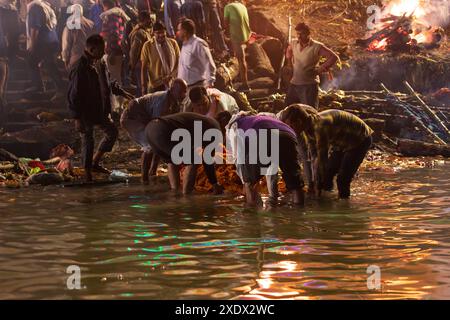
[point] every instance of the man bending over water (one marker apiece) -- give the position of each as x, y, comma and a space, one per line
159, 133
344, 134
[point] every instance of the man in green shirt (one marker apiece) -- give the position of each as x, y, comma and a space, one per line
237, 21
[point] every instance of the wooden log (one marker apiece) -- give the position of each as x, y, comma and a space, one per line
418, 148
430, 112
411, 113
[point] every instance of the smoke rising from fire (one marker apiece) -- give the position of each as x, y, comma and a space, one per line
430, 12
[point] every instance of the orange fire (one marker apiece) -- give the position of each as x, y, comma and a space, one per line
403, 24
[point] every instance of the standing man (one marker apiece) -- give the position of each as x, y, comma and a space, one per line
237, 21
344, 134
197, 66
74, 40
141, 33
193, 9
159, 58
303, 55
215, 27
94, 16
3, 72
42, 45
141, 111
172, 13
113, 27
89, 98
9, 18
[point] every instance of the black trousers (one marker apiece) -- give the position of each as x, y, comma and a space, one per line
45, 53
12, 29
159, 137
345, 165
87, 140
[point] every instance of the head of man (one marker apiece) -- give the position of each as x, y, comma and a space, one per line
145, 20
303, 32
199, 99
186, 29
95, 47
178, 90
299, 117
159, 30
108, 4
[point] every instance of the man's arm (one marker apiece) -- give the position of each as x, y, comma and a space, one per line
206, 58
144, 68
76, 91
331, 59
66, 46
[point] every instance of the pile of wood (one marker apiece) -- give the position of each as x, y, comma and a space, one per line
403, 122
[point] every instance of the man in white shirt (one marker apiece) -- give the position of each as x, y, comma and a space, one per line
196, 64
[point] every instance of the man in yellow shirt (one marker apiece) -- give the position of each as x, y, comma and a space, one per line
304, 54
159, 58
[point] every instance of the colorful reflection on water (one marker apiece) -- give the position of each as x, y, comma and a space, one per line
130, 243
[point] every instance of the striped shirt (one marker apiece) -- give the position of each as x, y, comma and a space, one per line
335, 129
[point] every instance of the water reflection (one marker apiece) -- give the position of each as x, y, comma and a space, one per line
133, 244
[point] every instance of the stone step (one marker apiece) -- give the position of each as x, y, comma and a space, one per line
19, 126
27, 104
22, 85
21, 95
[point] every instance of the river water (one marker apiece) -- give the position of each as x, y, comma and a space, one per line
130, 243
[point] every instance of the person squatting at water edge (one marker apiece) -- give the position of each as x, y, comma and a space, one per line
162, 133
141, 111
338, 142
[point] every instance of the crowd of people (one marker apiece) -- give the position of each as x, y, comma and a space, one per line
165, 51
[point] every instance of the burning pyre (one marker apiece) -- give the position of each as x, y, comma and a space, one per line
406, 26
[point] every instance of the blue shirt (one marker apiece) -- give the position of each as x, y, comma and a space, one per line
37, 20
95, 13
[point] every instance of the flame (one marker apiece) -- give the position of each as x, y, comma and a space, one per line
414, 26
378, 45
406, 7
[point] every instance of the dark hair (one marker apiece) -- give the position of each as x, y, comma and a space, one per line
197, 93
223, 118
188, 25
159, 26
144, 16
94, 40
299, 113
302, 27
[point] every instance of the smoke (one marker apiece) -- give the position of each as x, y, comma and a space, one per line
430, 12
